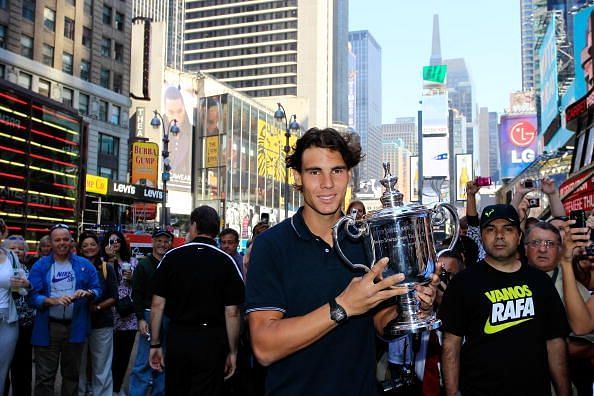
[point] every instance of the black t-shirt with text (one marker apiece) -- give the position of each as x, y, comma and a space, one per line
505, 320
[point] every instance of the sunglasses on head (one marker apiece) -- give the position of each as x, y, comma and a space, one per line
114, 240
60, 226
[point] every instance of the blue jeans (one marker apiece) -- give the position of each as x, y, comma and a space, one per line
142, 374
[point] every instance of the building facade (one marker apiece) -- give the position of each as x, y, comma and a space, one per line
461, 95
528, 41
404, 128
368, 55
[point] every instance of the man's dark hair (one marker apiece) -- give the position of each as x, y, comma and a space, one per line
229, 231
543, 225
206, 219
327, 138
531, 221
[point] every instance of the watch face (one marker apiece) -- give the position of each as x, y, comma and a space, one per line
338, 314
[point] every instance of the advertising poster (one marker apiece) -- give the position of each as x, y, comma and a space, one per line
435, 115
464, 174
547, 55
518, 139
212, 151
435, 156
145, 164
414, 178
582, 42
271, 155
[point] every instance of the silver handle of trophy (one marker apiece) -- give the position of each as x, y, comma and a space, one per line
454, 215
345, 222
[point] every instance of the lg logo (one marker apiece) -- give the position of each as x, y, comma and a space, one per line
522, 134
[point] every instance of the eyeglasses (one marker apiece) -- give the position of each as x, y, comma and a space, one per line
546, 243
59, 226
114, 240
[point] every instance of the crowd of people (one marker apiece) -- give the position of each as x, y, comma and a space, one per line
288, 317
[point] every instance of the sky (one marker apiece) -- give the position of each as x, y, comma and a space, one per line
485, 33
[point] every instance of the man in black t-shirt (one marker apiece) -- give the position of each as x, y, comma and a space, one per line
199, 288
510, 317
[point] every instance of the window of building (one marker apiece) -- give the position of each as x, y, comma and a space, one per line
44, 87
116, 112
83, 104
27, 46
117, 82
104, 78
85, 70
68, 28
68, 96
119, 21
119, 52
106, 47
88, 7
109, 145
3, 31
102, 110
28, 10
67, 63
49, 19
3, 3
107, 14
87, 37
2, 71
47, 55
108, 172
25, 80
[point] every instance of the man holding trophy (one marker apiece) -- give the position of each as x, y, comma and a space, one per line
312, 317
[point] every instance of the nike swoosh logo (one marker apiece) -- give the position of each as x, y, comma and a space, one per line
54, 279
492, 329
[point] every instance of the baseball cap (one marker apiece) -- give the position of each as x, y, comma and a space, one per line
499, 211
162, 232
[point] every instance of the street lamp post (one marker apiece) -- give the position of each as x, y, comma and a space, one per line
172, 128
290, 125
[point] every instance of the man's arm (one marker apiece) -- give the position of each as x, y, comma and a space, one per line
450, 361
548, 187
157, 359
471, 190
275, 337
519, 195
232, 323
557, 356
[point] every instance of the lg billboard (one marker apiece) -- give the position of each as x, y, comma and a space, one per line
518, 138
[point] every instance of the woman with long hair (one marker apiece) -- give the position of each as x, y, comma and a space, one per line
116, 251
98, 350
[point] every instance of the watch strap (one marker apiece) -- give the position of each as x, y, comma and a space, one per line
337, 312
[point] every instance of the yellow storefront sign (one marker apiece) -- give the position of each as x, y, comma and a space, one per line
212, 151
96, 184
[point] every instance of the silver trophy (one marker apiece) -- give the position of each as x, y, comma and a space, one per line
403, 234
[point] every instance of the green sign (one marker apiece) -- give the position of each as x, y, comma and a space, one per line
436, 74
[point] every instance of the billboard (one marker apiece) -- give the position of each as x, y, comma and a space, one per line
464, 173
582, 42
414, 178
435, 74
518, 139
145, 163
435, 157
547, 55
435, 115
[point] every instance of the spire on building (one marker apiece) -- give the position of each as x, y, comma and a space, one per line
435, 43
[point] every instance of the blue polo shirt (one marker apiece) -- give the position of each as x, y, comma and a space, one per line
295, 272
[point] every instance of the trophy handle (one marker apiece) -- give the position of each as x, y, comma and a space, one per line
348, 221
454, 215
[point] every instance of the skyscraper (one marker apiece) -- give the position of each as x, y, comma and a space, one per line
369, 101
528, 41
274, 50
494, 144
405, 129
435, 58
461, 95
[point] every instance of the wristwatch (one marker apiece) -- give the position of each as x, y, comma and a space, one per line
337, 313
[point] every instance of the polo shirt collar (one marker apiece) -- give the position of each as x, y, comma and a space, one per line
206, 240
302, 230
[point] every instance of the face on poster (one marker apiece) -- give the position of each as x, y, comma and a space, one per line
464, 174
582, 43
435, 156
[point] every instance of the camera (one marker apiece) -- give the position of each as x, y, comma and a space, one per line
482, 181
580, 218
533, 202
530, 183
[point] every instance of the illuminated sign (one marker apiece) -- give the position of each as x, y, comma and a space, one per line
435, 74
518, 143
145, 163
464, 174
212, 151
134, 191
96, 184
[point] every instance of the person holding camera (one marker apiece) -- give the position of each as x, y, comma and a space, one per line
547, 186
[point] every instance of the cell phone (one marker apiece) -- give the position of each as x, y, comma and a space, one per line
580, 218
529, 183
482, 181
533, 202
265, 218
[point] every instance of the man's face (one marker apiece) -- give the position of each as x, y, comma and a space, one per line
229, 244
501, 239
212, 119
543, 254
175, 110
61, 242
449, 264
323, 178
45, 247
161, 245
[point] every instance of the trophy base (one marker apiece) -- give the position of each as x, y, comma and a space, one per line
396, 328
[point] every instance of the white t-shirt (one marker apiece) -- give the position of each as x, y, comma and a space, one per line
6, 271
63, 283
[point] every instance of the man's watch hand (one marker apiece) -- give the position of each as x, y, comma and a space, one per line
337, 312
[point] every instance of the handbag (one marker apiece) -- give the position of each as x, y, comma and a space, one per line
125, 306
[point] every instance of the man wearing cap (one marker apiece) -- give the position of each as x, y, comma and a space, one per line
510, 317
142, 294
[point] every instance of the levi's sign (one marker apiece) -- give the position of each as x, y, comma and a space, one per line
135, 191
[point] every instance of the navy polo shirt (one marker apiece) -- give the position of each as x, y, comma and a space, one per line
295, 272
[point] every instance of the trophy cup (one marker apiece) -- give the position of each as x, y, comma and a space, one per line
403, 234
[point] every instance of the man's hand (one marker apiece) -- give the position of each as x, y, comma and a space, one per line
81, 294
523, 209
143, 327
426, 294
547, 185
574, 238
64, 300
156, 359
17, 281
521, 191
363, 293
230, 365
472, 188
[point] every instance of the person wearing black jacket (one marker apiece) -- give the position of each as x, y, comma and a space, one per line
142, 294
